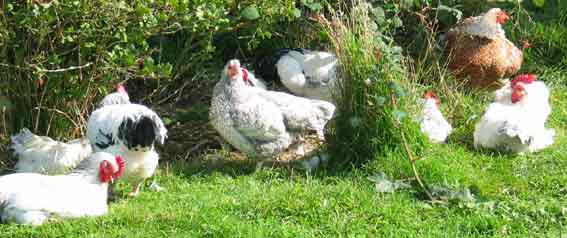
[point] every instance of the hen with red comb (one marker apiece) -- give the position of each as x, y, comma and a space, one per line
433, 123
263, 123
515, 122
118, 97
479, 51
524, 78
31, 198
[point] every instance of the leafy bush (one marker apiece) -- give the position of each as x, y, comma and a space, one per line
58, 57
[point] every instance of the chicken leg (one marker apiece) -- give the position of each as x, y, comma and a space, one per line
136, 190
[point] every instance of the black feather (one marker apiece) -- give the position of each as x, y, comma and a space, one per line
108, 140
141, 132
266, 65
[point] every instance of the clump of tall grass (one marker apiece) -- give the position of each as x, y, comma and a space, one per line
374, 107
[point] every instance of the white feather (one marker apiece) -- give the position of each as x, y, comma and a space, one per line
114, 98
41, 154
141, 162
516, 127
263, 123
310, 74
433, 124
31, 198
484, 25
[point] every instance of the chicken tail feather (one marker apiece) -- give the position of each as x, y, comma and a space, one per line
266, 65
20, 140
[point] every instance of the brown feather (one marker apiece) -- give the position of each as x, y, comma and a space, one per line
480, 61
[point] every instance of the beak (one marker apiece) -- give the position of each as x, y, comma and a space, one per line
232, 71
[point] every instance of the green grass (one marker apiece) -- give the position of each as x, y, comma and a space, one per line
529, 196
529, 192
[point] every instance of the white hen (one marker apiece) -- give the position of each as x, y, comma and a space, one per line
129, 131
118, 97
310, 74
517, 125
433, 124
41, 154
259, 122
30, 198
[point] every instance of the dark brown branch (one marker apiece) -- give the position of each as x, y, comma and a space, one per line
410, 156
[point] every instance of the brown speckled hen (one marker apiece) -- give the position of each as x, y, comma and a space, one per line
479, 51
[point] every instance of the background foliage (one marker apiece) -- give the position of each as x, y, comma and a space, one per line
58, 57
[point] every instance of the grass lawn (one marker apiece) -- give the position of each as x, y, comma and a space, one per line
521, 196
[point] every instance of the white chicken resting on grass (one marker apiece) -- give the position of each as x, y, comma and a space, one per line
433, 124
41, 154
305, 73
259, 122
31, 198
129, 131
517, 125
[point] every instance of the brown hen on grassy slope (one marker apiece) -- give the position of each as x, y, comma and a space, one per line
479, 51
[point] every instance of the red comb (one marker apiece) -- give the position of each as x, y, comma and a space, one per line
524, 78
120, 88
502, 17
429, 94
120, 163
246, 77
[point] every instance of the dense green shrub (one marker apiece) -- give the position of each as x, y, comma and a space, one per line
58, 57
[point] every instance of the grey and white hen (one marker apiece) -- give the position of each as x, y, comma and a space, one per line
259, 122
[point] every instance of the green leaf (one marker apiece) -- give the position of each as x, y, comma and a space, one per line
250, 13
379, 15
399, 115
397, 22
168, 121
406, 4
355, 121
314, 6
296, 13
380, 100
384, 184
448, 15
5, 103
538, 3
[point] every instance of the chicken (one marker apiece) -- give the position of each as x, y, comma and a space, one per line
129, 131
433, 124
31, 198
305, 73
479, 51
118, 97
41, 154
517, 124
259, 122
252, 80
